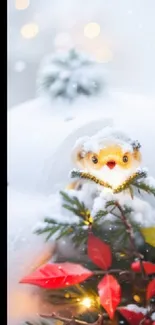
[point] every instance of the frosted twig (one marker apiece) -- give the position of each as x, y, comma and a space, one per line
130, 232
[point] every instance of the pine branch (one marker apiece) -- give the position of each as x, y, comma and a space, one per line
115, 227
74, 205
79, 233
64, 319
37, 322
78, 208
80, 237
100, 214
54, 228
130, 231
73, 320
76, 231
144, 187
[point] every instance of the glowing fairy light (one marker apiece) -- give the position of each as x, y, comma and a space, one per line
92, 30
67, 295
137, 298
86, 302
29, 30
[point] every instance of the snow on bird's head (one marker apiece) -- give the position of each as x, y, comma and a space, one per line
109, 136
106, 137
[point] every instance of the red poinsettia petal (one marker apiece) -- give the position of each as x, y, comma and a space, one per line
55, 276
150, 289
149, 267
99, 252
133, 318
110, 294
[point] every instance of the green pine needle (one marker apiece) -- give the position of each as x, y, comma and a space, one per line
75, 206
78, 233
144, 187
100, 214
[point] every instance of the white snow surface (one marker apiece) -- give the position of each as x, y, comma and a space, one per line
150, 181
136, 309
24, 210
143, 213
24, 247
41, 135
35, 131
40, 138
153, 316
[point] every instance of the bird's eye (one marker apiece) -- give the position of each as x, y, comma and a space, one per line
94, 160
125, 159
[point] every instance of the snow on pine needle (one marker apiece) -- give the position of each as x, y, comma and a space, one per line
68, 76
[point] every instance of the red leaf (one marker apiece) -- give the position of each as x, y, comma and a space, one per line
151, 289
110, 294
99, 252
149, 267
132, 317
55, 276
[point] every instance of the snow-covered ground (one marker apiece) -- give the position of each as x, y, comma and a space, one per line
40, 140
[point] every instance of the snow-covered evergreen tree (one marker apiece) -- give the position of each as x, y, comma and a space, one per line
69, 75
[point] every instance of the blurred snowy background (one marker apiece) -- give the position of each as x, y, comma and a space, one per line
121, 38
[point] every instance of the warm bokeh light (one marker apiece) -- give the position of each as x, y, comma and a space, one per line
86, 302
122, 254
136, 298
92, 30
29, 30
103, 55
67, 295
21, 4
